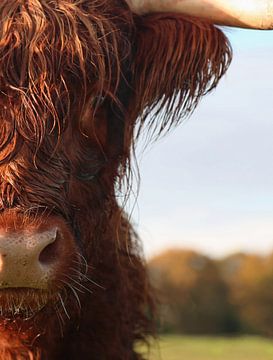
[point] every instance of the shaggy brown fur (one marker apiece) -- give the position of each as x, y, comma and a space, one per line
77, 78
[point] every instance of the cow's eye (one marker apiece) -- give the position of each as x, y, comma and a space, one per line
97, 101
90, 169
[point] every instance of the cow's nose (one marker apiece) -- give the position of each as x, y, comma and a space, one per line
29, 259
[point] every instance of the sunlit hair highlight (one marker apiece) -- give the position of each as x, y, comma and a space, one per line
53, 57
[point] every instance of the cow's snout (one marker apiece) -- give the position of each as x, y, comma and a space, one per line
30, 259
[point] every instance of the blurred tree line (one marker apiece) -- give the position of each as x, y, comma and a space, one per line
199, 295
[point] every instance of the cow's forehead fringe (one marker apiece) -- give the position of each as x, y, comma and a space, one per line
54, 56
58, 56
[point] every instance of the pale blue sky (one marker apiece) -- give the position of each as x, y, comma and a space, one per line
209, 184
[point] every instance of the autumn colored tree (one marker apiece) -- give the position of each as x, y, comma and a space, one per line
193, 296
250, 280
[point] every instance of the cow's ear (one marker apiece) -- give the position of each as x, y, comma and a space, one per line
177, 60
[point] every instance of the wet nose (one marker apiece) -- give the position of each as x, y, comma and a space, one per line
29, 260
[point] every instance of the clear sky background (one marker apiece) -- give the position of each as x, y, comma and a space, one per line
209, 184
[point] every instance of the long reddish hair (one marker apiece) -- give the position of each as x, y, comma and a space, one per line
78, 83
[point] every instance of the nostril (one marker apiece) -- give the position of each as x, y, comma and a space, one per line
49, 254
35, 256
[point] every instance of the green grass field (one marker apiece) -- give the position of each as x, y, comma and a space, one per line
211, 348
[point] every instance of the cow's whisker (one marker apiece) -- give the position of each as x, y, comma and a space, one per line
60, 321
86, 278
63, 305
73, 289
78, 283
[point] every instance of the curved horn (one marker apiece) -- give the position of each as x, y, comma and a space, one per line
253, 14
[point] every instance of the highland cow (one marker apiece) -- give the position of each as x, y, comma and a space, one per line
78, 79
